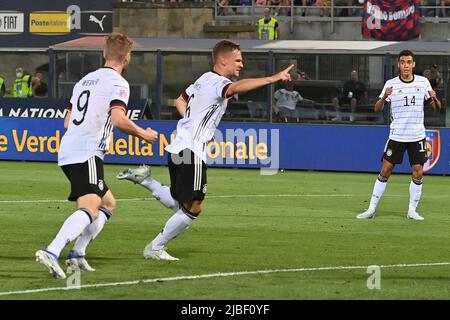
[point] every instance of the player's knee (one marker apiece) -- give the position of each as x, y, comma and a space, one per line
417, 181
418, 175
194, 208
110, 205
197, 210
92, 212
385, 173
107, 213
198, 207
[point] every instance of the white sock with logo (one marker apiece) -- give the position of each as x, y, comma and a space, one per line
378, 190
72, 228
91, 232
415, 191
176, 224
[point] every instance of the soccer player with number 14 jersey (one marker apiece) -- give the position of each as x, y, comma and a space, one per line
407, 94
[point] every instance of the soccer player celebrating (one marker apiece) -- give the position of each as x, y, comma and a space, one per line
98, 104
407, 94
202, 106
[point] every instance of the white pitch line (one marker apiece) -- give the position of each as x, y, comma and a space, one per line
220, 274
214, 197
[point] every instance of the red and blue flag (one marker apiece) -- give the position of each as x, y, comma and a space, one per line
391, 20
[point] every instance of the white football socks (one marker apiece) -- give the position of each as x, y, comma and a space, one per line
161, 193
378, 190
174, 226
90, 232
72, 228
415, 191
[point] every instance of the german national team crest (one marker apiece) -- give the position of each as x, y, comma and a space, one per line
101, 185
433, 147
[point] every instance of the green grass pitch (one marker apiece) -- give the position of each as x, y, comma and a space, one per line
295, 222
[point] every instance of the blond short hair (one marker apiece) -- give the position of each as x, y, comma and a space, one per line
223, 47
117, 46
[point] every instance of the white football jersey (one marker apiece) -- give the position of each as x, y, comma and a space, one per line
90, 126
407, 104
206, 106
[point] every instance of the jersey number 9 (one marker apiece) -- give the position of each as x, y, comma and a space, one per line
83, 108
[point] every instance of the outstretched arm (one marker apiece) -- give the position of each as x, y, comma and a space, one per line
245, 85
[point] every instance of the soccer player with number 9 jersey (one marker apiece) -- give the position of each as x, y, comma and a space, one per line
99, 102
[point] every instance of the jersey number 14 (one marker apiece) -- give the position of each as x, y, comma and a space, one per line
411, 101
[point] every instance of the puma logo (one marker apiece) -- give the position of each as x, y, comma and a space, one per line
99, 22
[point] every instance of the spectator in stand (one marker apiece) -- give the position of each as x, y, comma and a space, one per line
345, 12
286, 7
22, 87
303, 3
429, 8
353, 94
62, 75
223, 4
337, 3
223, 7
427, 74
268, 28
274, 2
322, 3
301, 75
434, 76
286, 103
40, 89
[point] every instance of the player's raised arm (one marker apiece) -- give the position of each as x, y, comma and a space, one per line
245, 85
380, 103
123, 123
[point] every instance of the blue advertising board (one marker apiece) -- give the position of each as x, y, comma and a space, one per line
55, 108
245, 145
